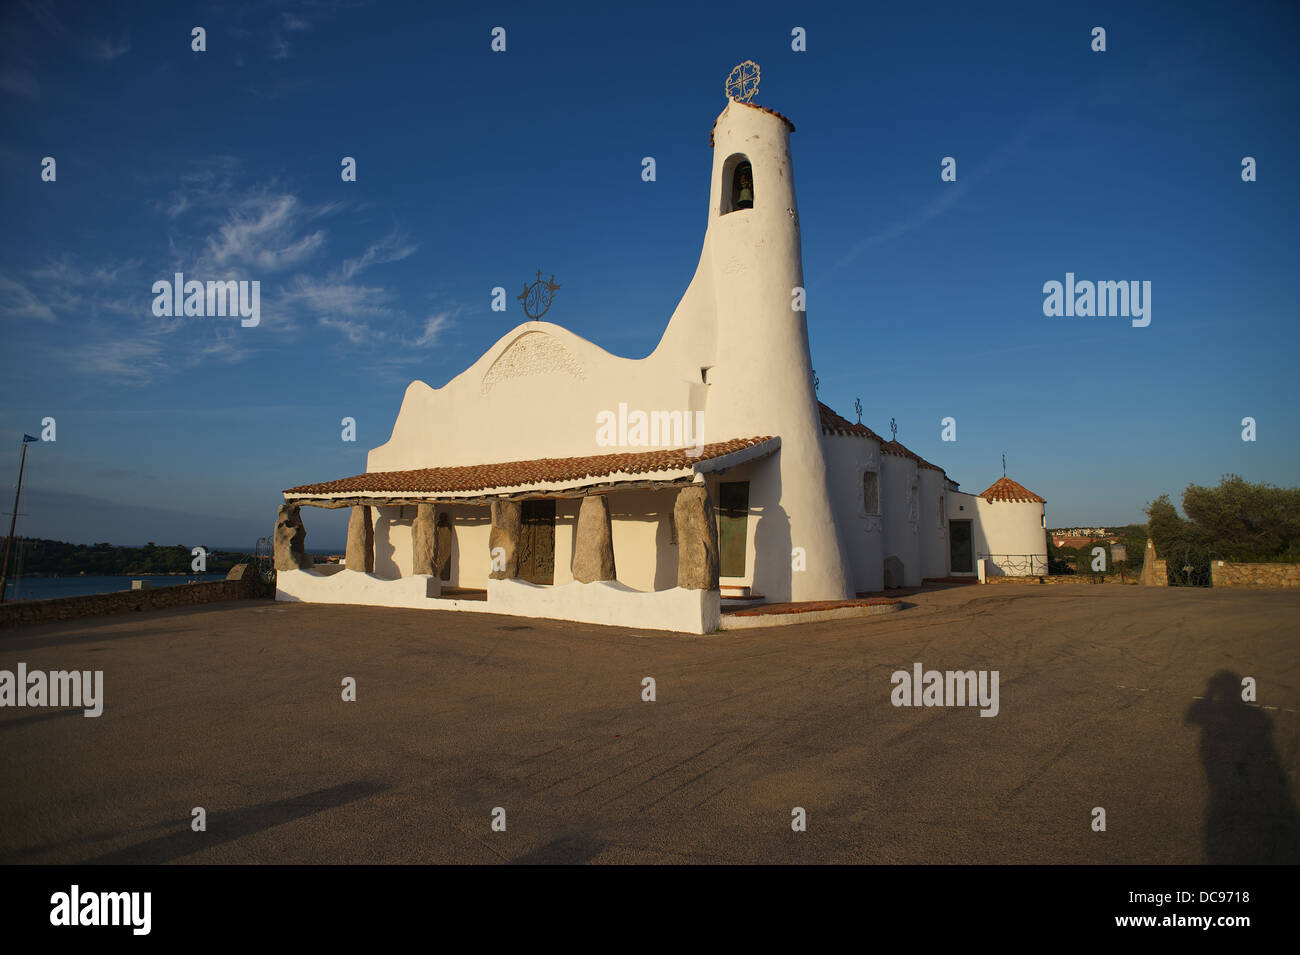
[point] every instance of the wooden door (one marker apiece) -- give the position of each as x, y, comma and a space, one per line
959, 547
537, 541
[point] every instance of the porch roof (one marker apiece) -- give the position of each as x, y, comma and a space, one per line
540, 477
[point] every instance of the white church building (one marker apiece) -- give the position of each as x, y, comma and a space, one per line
553, 479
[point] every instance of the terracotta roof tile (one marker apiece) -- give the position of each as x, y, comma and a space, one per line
894, 448
773, 112
833, 423
482, 477
1005, 489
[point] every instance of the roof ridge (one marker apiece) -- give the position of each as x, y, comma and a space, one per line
834, 423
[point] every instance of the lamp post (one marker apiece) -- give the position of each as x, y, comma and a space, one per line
13, 519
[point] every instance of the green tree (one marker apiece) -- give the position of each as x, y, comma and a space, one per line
1245, 521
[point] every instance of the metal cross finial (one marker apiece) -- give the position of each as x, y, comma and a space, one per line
893, 428
742, 84
857, 406
1004, 464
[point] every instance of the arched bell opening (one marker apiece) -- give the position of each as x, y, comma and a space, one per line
737, 184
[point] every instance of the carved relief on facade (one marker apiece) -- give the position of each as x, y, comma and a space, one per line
533, 353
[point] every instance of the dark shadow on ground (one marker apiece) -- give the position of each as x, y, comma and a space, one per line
1251, 818
567, 850
17, 721
63, 633
229, 826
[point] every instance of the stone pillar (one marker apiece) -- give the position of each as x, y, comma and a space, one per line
1148, 578
593, 545
697, 539
361, 541
424, 541
290, 539
505, 535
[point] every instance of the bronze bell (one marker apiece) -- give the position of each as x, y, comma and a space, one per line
746, 200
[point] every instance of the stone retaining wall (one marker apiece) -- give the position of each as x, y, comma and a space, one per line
1227, 574
23, 613
1052, 579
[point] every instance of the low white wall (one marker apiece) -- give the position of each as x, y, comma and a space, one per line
604, 602
610, 603
350, 587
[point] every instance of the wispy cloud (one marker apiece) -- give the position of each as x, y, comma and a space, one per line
42, 12
434, 325
20, 82
391, 248
107, 49
218, 228
261, 233
951, 193
344, 305
18, 302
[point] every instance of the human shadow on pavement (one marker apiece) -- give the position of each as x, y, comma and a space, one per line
1251, 818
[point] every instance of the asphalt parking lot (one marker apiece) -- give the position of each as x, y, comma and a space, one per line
1123, 698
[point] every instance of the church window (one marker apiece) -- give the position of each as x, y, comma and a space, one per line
870, 493
733, 527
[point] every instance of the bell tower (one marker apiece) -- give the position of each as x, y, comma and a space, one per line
762, 381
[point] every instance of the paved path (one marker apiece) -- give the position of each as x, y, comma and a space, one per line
236, 708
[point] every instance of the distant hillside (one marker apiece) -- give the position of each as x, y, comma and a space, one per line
44, 558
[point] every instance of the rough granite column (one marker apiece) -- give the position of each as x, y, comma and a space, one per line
505, 535
361, 541
1148, 578
697, 539
424, 540
290, 539
593, 545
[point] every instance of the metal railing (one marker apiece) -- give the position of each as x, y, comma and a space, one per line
1016, 565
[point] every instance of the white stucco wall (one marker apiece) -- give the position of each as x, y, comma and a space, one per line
393, 557
645, 558
471, 559
848, 456
1013, 528
902, 537
933, 524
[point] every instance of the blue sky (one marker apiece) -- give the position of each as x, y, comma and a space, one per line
476, 168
